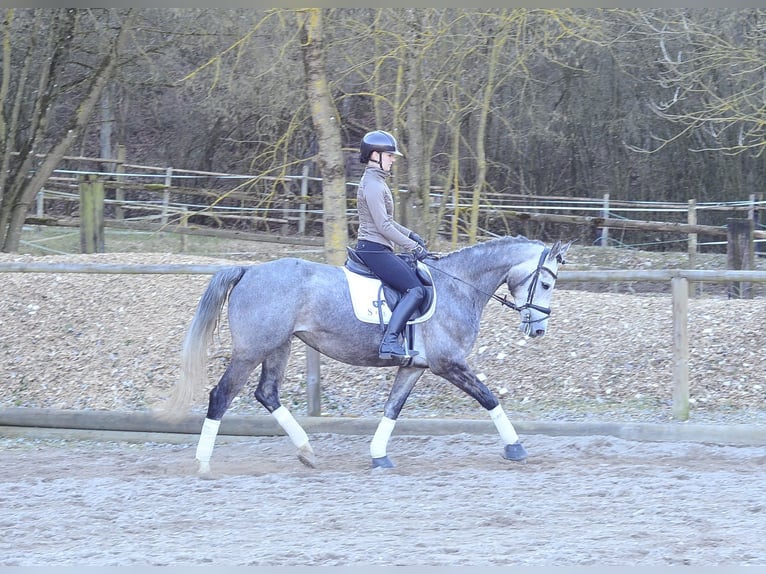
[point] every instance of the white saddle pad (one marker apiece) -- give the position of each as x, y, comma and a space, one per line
365, 292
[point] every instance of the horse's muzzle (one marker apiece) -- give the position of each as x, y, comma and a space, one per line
531, 330
532, 327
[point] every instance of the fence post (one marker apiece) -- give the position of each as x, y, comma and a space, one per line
754, 213
119, 191
282, 192
605, 215
304, 198
166, 195
313, 384
91, 215
40, 210
680, 289
692, 245
739, 254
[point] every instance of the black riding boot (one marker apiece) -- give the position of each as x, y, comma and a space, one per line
391, 347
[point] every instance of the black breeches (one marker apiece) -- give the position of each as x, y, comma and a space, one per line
387, 266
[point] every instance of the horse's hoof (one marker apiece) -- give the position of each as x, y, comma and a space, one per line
382, 462
515, 452
204, 471
306, 456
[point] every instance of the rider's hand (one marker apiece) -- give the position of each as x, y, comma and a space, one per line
420, 253
417, 239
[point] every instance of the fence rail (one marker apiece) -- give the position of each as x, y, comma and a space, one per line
564, 276
679, 279
291, 204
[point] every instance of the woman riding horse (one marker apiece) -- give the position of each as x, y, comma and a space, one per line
379, 234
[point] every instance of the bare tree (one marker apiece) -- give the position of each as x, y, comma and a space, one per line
69, 88
485, 102
711, 65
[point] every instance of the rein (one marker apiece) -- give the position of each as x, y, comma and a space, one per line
535, 275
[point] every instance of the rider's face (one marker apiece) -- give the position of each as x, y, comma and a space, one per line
387, 160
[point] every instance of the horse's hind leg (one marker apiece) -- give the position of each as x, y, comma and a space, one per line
228, 387
267, 393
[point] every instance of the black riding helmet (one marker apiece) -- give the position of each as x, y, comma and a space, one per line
377, 141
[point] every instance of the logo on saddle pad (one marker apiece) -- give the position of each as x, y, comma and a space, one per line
368, 296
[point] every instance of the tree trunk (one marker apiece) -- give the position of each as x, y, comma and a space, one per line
105, 131
416, 205
326, 121
481, 135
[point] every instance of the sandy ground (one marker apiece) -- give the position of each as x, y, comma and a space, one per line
111, 342
451, 500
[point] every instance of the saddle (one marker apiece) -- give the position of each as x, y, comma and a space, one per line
386, 295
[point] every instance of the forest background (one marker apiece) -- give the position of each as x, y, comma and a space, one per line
642, 104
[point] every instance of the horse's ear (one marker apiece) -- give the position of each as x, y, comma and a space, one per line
559, 250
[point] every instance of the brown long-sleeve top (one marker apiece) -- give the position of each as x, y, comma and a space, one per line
375, 205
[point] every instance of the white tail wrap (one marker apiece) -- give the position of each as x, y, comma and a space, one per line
503, 425
291, 427
207, 440
380, 439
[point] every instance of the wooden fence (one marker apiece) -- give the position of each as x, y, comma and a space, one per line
679, 279
153, 198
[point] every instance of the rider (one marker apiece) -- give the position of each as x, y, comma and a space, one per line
379, 234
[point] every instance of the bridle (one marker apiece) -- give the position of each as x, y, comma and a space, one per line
535, 276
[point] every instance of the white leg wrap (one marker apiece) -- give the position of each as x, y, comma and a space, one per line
503, 425
291, 427
207, 440
380, 439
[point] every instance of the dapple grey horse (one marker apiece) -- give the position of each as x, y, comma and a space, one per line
271, 302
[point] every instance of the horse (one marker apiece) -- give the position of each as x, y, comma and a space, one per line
270, 303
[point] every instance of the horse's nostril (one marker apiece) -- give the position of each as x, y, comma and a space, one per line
539, 332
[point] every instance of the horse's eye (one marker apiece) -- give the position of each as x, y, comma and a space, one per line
545, 285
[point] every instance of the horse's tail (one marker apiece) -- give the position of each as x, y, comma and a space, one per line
194, 350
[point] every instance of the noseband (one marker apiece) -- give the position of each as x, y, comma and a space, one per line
535, 275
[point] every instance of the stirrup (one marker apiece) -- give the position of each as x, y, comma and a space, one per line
395, 353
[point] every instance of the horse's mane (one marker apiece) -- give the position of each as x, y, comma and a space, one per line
492, 244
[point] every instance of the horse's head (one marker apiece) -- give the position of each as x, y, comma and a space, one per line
532, 282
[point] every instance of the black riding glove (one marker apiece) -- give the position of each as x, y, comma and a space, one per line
420, 253
417, 239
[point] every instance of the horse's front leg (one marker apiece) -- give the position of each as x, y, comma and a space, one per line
404, 382
460, 374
